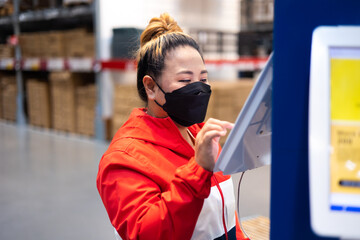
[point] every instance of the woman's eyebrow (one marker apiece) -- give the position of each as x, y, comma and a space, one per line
184, 72
190, 72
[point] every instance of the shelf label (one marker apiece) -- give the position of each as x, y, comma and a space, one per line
7, 63
55, 64
81, 64
33, 64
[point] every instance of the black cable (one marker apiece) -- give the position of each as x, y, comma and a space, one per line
238, 205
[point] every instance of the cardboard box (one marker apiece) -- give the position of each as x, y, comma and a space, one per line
6, 51
227, 100
85, 109
8, 97
126, 98
75, 43
54, 45
24, 41
38, 102
85, 120
63, 99
32, 44
79, 43
6, 8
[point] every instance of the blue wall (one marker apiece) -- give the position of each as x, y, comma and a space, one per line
293, 25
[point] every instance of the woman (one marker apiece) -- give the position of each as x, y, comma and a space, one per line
156, 178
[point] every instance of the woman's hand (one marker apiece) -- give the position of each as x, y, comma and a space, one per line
207, 142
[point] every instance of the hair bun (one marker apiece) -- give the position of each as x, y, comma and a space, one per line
159, 26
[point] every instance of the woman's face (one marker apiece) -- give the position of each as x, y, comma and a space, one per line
183, 66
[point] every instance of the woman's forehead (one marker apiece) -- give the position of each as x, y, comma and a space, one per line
184, 58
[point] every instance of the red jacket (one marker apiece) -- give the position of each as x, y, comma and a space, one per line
152, 188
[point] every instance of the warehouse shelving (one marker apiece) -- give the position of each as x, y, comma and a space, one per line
50, 14
60, 18
52, 18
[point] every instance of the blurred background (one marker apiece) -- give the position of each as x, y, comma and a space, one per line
68, 82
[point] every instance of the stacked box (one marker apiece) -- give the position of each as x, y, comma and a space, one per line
32, 44
227, 100
39, 44
38, 102
6, 8
42, 44
25, 40
72, 43
63, 99
88, 45
85, 109
8, 97
79, 43
126, 98
54, 45
6, 51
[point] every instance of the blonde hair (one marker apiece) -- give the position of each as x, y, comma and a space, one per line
162, 35
159, 26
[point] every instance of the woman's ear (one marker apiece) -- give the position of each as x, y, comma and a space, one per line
149, 85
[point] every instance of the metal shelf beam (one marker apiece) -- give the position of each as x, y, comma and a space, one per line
49, 14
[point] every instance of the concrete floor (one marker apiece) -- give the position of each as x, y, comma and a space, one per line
47, 186
48, 190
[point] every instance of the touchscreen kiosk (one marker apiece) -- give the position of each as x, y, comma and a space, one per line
334, 132
248, 145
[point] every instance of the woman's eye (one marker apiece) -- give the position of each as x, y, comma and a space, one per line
185, 80
204, 80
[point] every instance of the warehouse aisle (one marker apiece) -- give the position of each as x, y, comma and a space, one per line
47, 186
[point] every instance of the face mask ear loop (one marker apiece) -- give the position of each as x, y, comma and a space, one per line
162, 106
157, 84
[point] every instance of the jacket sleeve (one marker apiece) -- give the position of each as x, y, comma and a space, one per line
139, 209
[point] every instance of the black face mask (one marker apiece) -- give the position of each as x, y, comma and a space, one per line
187, 105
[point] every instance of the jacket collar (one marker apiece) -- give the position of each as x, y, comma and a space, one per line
159, 131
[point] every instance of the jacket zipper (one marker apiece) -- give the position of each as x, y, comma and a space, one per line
223, 207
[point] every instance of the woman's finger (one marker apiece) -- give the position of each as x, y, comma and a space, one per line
209, 135
211, 126
225, 124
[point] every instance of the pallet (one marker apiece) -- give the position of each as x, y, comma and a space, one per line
257, 228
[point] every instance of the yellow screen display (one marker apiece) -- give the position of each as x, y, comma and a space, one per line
345, 125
